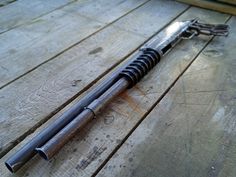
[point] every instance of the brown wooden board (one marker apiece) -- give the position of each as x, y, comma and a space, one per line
208, 4
192, 131
94, 144
233, 2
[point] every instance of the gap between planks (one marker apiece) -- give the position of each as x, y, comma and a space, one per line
41, 122
163, 91
6, 2
30, 21
152, 107
58, 54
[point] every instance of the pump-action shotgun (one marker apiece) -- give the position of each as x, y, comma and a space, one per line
48, 142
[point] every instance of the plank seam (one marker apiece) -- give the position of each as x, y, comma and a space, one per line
7, 3
34, 128
44, 120
71, 46
130, 31
151, 109
33, 19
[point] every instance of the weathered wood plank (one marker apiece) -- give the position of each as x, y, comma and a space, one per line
152, 14
23, 11
192, 131
105, 12
86, 152
5, 2
26, 47
232, 2
51, 85
221, 7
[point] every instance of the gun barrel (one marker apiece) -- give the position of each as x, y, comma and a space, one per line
67, 125
48, 150
17, 160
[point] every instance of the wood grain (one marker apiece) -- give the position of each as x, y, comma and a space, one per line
232, 2
32, 99
192, 131
221, 7
93, 145
28, 46
20, 12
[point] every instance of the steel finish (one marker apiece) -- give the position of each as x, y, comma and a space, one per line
148, 56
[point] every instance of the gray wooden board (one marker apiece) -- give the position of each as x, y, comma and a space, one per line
83, 155
32, 99
20, 12
192, 131
154, 13
28, 46
5, 2
104, 12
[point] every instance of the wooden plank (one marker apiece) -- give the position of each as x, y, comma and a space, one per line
5, 2
221, 7
23, 11
233, 2
86, 152
26, 47
191, 132
51, 85
143, 14
104, 12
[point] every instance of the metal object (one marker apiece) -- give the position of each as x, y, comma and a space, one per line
51, 139
208, 29
57, 142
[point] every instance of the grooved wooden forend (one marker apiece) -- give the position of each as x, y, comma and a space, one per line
51, 58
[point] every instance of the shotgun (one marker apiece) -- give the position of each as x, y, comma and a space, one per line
49, 141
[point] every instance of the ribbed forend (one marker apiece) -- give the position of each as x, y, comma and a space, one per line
140, 66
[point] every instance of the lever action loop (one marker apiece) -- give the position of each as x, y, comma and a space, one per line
189, 34
49, 141
209, 29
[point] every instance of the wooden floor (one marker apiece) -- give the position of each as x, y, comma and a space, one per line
179, 121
